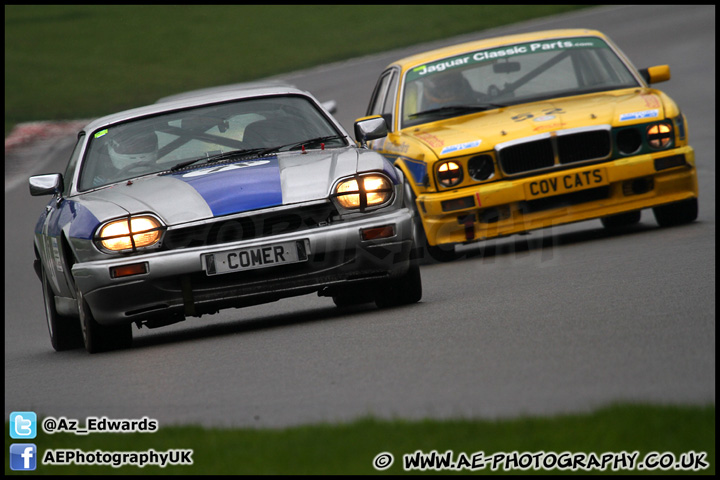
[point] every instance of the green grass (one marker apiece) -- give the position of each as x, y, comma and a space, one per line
350, 448
69, 62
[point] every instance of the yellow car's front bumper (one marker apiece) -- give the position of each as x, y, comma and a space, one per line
517, 205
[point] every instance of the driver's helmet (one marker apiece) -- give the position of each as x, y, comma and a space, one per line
132, 146
445, 88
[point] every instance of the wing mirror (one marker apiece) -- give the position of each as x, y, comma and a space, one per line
656, 74
48, 184
370, 128
330, 106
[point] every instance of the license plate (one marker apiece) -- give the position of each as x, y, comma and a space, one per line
565, 183
251, 258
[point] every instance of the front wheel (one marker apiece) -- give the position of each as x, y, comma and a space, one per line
351, 298
621, 220
99, 338
403, 290
65, 333
439, 253
677, 213
442, 253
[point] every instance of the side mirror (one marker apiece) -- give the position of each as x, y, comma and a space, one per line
330, 106
370, 128
656, 74
48, 184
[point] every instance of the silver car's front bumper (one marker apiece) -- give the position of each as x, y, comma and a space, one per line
176, 284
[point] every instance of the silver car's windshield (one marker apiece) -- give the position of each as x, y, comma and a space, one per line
155, 144
510, 75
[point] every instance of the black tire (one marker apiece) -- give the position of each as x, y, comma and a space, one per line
99, 338
403, 290
442, 253
65, 332
621, 220
352, 298
677, 213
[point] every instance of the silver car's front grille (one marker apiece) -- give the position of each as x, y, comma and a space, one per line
555, 149
246, 227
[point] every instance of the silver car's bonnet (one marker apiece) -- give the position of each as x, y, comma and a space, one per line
222, 189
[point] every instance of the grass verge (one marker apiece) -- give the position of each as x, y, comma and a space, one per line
655, 433
67, 62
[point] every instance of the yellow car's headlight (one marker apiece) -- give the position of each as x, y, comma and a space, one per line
660, 135
364, 191
130, 234
449, 174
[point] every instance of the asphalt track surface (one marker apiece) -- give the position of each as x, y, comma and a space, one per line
566, 319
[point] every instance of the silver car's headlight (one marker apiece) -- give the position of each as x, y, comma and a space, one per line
363, 191
130, 233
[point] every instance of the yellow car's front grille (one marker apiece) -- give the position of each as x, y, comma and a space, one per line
554, 150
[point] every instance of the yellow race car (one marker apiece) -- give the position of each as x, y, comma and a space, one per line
516, 133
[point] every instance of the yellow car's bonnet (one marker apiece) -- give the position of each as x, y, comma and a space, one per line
484, 130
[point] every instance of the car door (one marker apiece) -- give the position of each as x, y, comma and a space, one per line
58, 214
382, 102
383, 97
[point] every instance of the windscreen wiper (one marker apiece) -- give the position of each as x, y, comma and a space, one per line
218, 157
252, 151
312, 141
451, 109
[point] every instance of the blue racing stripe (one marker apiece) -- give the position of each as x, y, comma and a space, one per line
82, 222
237, 187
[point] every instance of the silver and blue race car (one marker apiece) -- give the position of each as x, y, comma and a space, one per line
214, 201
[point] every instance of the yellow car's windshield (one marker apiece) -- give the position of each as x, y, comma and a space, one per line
510, 75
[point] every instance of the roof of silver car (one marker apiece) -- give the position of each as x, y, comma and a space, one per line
197, 98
